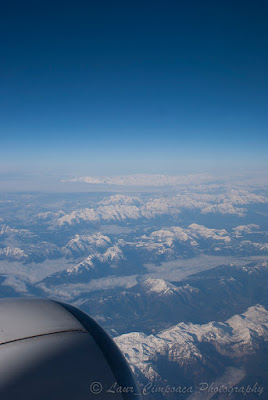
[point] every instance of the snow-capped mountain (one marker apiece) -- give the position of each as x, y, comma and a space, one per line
164, 288
242, 229
105, 213
179, 273
153, 304
167, 243
111, 255
86, 214
120, 199
43, 250
13, 254
190, 349
166, 238
159, 286
123, 208
81, 244
7, 230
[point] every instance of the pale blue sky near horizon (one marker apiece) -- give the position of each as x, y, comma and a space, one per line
133, 87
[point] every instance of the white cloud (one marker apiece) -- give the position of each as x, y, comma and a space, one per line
143, 180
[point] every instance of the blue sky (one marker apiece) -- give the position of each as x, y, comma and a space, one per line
142, 86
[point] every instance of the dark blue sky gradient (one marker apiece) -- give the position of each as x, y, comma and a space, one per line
133, 81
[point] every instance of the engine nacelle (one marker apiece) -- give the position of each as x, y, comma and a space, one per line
54, 351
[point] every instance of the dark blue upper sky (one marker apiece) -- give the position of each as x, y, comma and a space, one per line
135, 86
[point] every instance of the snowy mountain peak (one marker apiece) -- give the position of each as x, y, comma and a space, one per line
159, 286
113, 254
13, 254
87, 264
82, 243
121, 199
237, 337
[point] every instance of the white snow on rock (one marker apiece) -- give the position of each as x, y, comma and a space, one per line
242, 229
163, 241
50, 215
7, 230
121, 199
83, 243
118, 212
86, 264
239, 335
170, 234
159, 286
225, 208
235, 196
86, 214
257, 246
112, 255
104, 213
207, 233
13, 254
164, 288
121, 207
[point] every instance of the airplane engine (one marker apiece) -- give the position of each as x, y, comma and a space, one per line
54, 351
